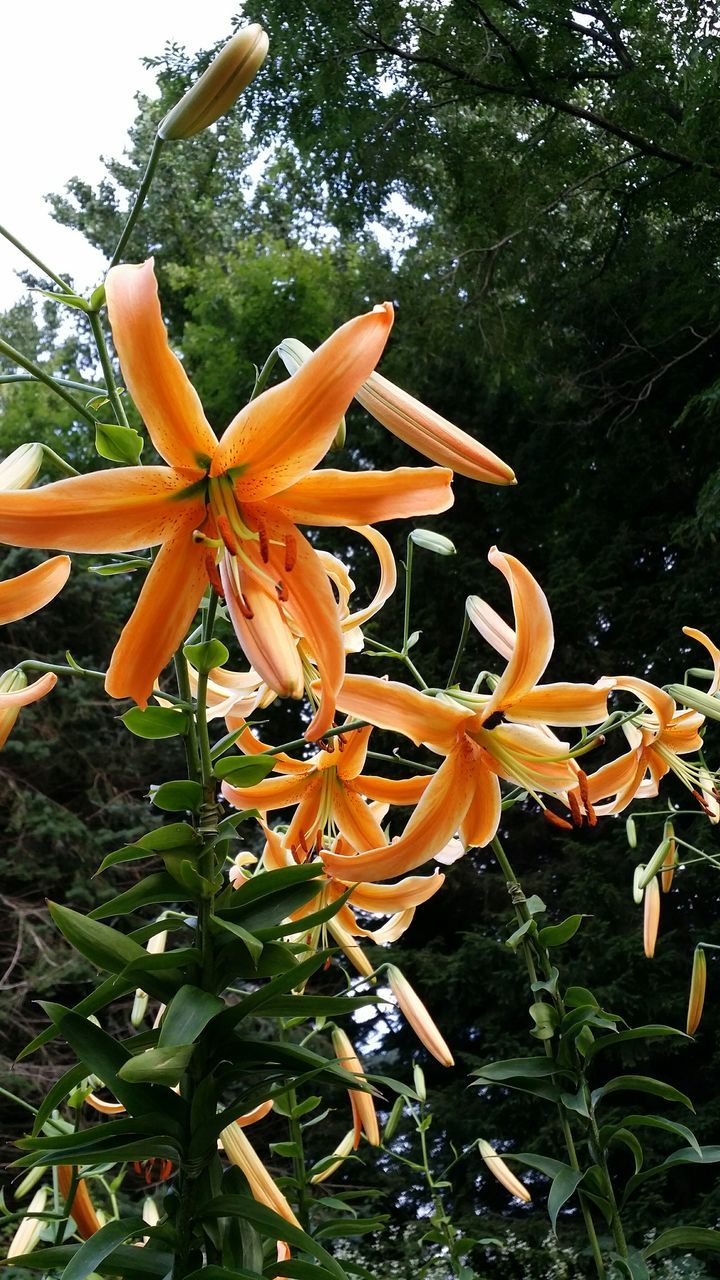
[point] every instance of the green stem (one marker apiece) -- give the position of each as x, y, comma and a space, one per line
139, 200
523, 914
408, 589
460, 650
66, 288
39, 373
441, 1220
192, 752
112, 391
264, 374
298, 743
93, 388
304, 1197
412, 764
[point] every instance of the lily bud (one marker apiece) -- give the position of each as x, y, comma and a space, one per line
430, 541
28, 1232
697, 991
82, 1209
362, 1103
154, 947
656, 862
219, 87
631, 832
419, 1082
263, 1187
499, 1170
21, 467
651, 919
710, 796
671, 857
695, 698
417, 1015
341, 1152
30, 1180
638, 874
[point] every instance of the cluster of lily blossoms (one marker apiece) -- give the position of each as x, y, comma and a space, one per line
225, 515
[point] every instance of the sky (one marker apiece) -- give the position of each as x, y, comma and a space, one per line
69, 76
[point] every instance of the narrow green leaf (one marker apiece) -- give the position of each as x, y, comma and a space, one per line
158, 887
187, 1015
643, 1084
176, 837
104, 946
121, 566
253, 944
111, 989
684, 1238
650, 1032
158, 1066
564, 1186
156, 722
271, 1224
659, 1122
130, 1262
528, 926
521, 1068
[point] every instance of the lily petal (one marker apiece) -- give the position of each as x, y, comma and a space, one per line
166, 399
533, 637
530, 757
714, 654
563, 704
27, 593
118, 510
252, 746
429, 433
160, 620
483, 815
281, 436
355, 820
388, 898
491, 626
388, 579
659, 702
30, 693
329, 497
436, 819
271, 793
391, 705
265, 637
352, 757
393, 790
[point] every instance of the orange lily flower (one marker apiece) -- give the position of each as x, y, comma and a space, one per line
242, 497
464, 794
20, 597
328, 792
658, 737
415, 424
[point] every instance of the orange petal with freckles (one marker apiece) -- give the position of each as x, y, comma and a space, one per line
388, 578
160, 620
166, 399
266, 639
329, 497
391, 705
281, 436
310, 605
306, 820
393, 790
271, 793
27, 593
354, 818
436, 818
352, 757
117, 510
429, 433
714, 654
388, 898
563, 703
620, 778
682, 734
533, 634
483, 815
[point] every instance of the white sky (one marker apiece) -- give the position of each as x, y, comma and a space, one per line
68, 76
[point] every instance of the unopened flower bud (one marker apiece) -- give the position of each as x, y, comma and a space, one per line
499, 1170
30, 1180
393, 1119
435, 542
419, 1082
671, 857
362, 1103
638, 891
21, 467
706, 703
219, 87
651, 918
417, 1015
28, 1233
654, 865
154, 947
697, 990
631, 832
341, 1153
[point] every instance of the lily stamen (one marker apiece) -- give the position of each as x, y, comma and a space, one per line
263, 542
555, 819
227, 534
575, 810
290, 552
214, 575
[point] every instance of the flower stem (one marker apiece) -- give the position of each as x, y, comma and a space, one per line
41, 376
112, 391
66, 288
139, 200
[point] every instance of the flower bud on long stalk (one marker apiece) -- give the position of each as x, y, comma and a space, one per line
697, 991
499, 1170
417, 1015
219, 87
651, 919
28, 1232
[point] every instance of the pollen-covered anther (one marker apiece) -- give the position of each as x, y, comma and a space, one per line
575, 810
243, 606
340, 739
227, 535
282, 591
587, 802
556, 820
263, 542
290, 552
213, 575
702, 802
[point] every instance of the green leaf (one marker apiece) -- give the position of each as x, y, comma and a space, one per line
650, 1032
244, 771
104, 946
132, 1263
224, 1273
286, 981
187, 1015
554, 935
59, 1092
521, 1068
205, 656
642, 1084
109, 990
576, 996
121, 566
535, 905
528, 926
176, 837
253, 944
158, 1066
156, 722
544, 1164
684, 1238
659, 1122
118, 444
545, 1017
158, 887
305, 922
101, 1245
271, 1224
179, 796
564, 1185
